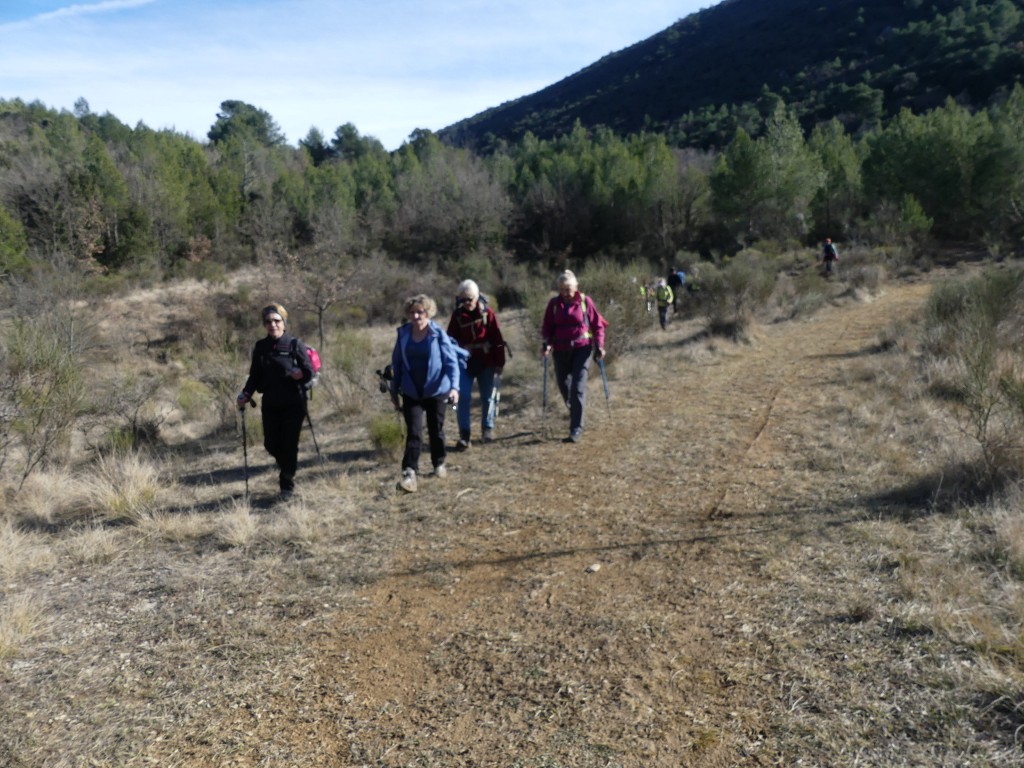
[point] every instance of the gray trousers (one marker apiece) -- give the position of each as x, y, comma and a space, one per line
572, 368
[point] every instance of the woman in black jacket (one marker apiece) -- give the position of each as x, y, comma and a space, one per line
280, 368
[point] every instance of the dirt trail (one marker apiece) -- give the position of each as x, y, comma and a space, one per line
654, 595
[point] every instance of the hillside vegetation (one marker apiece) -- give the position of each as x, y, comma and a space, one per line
728, 66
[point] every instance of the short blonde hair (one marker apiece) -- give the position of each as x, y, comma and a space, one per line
274, 308
568, 278
469, 289
422, 300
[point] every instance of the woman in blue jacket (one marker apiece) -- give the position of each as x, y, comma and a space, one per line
425, 364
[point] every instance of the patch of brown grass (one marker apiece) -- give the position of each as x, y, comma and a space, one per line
776, 583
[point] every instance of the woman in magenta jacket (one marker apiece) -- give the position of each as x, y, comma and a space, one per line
572, 332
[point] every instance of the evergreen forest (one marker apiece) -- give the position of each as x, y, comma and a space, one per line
786, 168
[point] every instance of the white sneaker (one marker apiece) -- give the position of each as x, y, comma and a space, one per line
408, 481
440, 471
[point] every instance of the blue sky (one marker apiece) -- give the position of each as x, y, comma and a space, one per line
387, 66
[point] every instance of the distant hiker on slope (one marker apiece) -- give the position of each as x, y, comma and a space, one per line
829, 256
279, 369
574, 330
474, 326
425, 362
666, 299
676, 281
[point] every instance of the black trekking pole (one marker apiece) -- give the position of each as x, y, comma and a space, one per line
312, 433
544, 395
544, 398
245, 449
604, 380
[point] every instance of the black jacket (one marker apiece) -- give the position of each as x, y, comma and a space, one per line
272, 361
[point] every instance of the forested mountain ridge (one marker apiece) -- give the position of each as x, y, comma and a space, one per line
799, 147
729, 65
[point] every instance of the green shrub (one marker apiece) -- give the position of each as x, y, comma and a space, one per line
386, 434
194, 396
732, 295
350, 352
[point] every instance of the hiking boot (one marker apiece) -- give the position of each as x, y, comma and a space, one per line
408, 481
285, 494
488, 436
574, 436
463, 444
440, 471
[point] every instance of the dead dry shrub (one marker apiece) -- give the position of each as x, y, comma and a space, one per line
971, 340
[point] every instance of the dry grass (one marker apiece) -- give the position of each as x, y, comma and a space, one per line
747, 561
126, 487
21, 619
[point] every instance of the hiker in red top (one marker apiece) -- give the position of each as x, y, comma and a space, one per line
829, 256
475, 327
574, 330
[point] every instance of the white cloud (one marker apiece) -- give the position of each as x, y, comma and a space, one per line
71, 11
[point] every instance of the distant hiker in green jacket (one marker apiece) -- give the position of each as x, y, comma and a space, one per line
666, 299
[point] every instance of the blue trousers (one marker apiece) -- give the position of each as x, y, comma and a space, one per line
485, 382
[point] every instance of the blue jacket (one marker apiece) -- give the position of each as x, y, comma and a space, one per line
443, 366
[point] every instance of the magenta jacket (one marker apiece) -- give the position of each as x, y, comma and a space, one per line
567, 326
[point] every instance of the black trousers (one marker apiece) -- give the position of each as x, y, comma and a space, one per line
414, 411
282, 425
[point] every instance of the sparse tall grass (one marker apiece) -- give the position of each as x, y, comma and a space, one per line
21, 618
23, 552
125, 487
238, 527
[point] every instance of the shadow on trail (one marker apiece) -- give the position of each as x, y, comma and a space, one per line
237, 473
874, 349
943, 492
638, 549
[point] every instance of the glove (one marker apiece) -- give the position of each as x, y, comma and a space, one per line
242, 400
599, 354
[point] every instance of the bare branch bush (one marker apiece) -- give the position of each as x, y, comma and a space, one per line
971, 336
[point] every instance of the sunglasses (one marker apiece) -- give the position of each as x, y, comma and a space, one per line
272, 321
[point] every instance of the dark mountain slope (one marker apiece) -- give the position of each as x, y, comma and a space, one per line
858, 59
